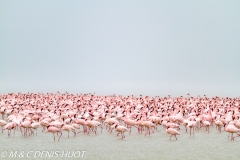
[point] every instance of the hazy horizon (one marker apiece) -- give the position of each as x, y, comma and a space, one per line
154, 48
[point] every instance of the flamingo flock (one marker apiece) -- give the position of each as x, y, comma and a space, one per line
86, 113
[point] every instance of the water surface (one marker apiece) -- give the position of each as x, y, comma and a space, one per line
106, 146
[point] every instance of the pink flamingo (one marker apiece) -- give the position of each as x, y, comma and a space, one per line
54, 130
231, 128
9, 127
172, 131
121, 129
2, 124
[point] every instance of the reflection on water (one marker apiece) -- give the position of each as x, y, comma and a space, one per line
105, 146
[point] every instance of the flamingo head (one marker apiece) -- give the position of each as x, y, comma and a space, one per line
115, 125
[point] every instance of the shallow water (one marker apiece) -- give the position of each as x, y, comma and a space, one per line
104, 146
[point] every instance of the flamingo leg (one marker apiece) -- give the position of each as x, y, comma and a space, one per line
96, 130
152, 130
60, 136
190, 132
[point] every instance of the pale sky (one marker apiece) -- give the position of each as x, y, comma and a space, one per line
126, 47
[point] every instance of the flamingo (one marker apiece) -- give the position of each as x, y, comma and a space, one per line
219, 125
35, 126
44, 124
68, 128
231, 128
2, 124
192, 125
54, 130
172, 132
121, 129
148, 125
129, 123
206, 124
93, 125
26, 124
9, 127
